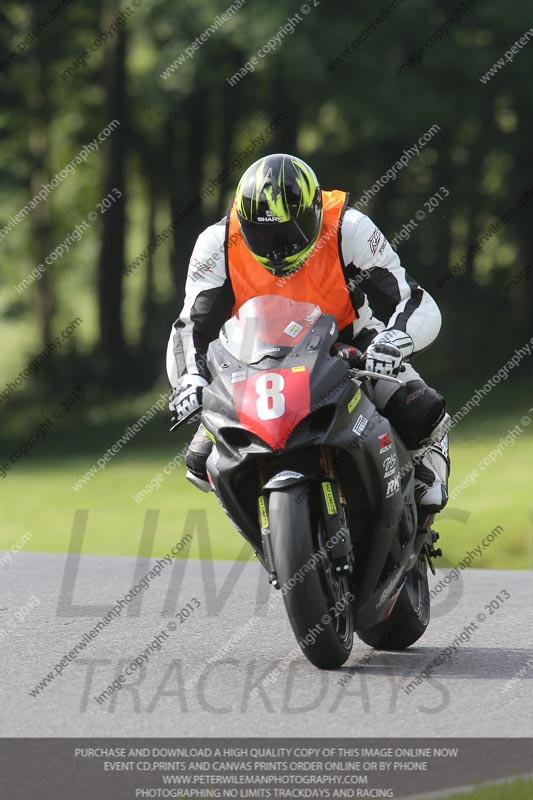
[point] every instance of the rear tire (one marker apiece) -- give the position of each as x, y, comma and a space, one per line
310, 596
408, 619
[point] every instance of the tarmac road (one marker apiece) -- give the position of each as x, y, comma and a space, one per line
201, 680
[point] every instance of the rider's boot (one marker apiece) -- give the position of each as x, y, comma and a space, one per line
432, 468
196, 459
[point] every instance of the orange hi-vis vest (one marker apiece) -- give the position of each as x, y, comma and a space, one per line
320, 280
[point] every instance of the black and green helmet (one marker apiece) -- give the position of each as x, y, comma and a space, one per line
279, 207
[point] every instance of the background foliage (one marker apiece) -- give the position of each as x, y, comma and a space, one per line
351, 122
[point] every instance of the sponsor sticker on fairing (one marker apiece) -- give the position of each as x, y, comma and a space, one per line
385, 443
389, 465
286, 475
360, 424
393, 486
293, 329
238, 376
353, 402
313, 316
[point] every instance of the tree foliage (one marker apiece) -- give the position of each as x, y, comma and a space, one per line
351, 122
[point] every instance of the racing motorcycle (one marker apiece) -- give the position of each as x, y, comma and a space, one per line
316, 480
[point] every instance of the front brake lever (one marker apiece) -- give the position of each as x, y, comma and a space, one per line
189, 418
366, 373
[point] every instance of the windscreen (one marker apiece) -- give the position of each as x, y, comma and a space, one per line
268, 326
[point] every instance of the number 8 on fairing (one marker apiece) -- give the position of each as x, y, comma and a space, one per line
270, 399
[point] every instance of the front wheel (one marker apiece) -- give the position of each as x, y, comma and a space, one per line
408, 619
317, 601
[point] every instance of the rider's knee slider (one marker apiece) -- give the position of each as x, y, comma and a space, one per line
416, 411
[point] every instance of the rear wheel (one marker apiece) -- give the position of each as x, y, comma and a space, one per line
316, 599
408, 619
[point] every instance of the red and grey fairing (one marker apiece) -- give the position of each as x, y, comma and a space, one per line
278, 397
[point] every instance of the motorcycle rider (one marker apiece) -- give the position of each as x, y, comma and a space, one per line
283, 235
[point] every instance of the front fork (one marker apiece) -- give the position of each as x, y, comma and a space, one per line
337, 536
264, 524
333, 502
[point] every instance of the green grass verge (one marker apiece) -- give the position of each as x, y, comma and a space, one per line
520, 789
41, 501
37, 496
501, 495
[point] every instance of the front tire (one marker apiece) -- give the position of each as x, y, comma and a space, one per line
316, 600
408, 619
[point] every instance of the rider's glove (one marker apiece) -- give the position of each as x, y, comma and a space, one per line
384, 359
186, 398
386, 352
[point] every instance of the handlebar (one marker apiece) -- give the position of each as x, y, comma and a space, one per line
366, 373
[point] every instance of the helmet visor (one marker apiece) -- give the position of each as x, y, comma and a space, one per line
275, 242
